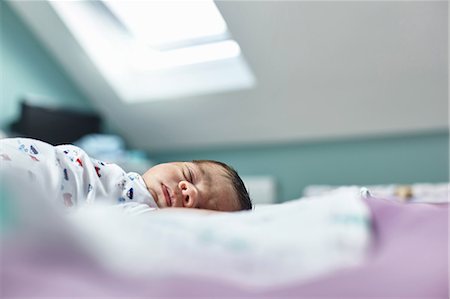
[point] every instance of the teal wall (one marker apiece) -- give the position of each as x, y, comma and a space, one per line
402, 159
27, 68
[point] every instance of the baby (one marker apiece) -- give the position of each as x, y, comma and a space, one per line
73, 178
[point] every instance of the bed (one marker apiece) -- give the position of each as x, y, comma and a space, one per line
352, 245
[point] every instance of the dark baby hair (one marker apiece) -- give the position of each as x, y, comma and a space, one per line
245, 202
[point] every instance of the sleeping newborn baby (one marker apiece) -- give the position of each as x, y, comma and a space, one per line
68, 174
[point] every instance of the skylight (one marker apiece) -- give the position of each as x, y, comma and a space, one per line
154, 50
168, 24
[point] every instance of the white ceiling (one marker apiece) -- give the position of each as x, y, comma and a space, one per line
323, 70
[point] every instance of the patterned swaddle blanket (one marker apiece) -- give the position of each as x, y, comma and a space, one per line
68, 175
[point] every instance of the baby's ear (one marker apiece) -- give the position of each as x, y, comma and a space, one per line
189, 194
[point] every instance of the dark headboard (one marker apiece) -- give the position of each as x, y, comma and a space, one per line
54, 125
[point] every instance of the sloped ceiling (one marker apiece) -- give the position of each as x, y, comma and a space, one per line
323, 69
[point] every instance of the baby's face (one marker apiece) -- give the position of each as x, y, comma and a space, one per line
191, 185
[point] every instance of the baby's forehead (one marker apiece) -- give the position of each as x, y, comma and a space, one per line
211, 170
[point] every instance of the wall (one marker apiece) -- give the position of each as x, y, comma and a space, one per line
402, 159
27, 68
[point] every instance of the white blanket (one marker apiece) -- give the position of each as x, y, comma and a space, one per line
277, 244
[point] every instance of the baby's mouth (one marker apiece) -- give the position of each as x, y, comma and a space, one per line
166, 195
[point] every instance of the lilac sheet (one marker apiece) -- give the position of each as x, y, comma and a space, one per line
409, 258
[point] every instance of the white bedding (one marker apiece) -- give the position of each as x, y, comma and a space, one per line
297, 240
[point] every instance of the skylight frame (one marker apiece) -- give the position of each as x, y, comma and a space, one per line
120, 59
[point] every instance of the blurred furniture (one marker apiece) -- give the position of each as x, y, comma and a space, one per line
53, 124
